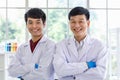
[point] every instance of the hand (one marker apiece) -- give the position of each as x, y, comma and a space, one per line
91, 64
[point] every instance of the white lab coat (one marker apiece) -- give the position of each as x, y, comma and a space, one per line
24, 61
71, 65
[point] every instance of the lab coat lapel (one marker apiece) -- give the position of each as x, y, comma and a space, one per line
85, 49
72, 48
39, 49
27, 55
27, 48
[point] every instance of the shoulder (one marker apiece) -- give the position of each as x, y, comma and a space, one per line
97, 43
49, 42
23, 45
21, 48
64, 42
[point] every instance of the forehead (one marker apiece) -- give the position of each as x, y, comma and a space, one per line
78, 17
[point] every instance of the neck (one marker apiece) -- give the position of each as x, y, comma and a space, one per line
80, 38
34, 39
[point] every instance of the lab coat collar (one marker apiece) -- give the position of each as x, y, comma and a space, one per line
73, 49
42, 40
85, 40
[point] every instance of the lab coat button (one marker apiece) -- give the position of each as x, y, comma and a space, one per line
74, 77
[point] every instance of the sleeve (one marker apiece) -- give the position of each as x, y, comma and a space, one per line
63, 67
35, 75
99, 72
45, 70
16, 68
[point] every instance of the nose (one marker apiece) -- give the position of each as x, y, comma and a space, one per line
34, 25
77, 25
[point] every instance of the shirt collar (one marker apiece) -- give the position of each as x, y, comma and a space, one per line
86, 39
31, 42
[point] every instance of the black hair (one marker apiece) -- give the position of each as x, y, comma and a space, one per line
79, 11
35, 13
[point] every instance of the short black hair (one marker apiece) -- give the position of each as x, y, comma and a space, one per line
35, 13
79, 11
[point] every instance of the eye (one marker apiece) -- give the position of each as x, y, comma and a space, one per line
72, 22
38, 22
81, 21
30, 22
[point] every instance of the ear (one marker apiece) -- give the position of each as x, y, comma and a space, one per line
44, 24
88, 23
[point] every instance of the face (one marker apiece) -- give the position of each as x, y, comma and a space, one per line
79, 25
35, 27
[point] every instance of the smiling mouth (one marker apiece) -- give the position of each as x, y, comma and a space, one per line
77, 30
35, 30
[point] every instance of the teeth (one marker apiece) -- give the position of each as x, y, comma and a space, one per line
34, 30
77, 30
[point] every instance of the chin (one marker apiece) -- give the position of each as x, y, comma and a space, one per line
79, 35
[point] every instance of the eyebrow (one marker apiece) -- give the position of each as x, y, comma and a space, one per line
38, 20
74, 19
